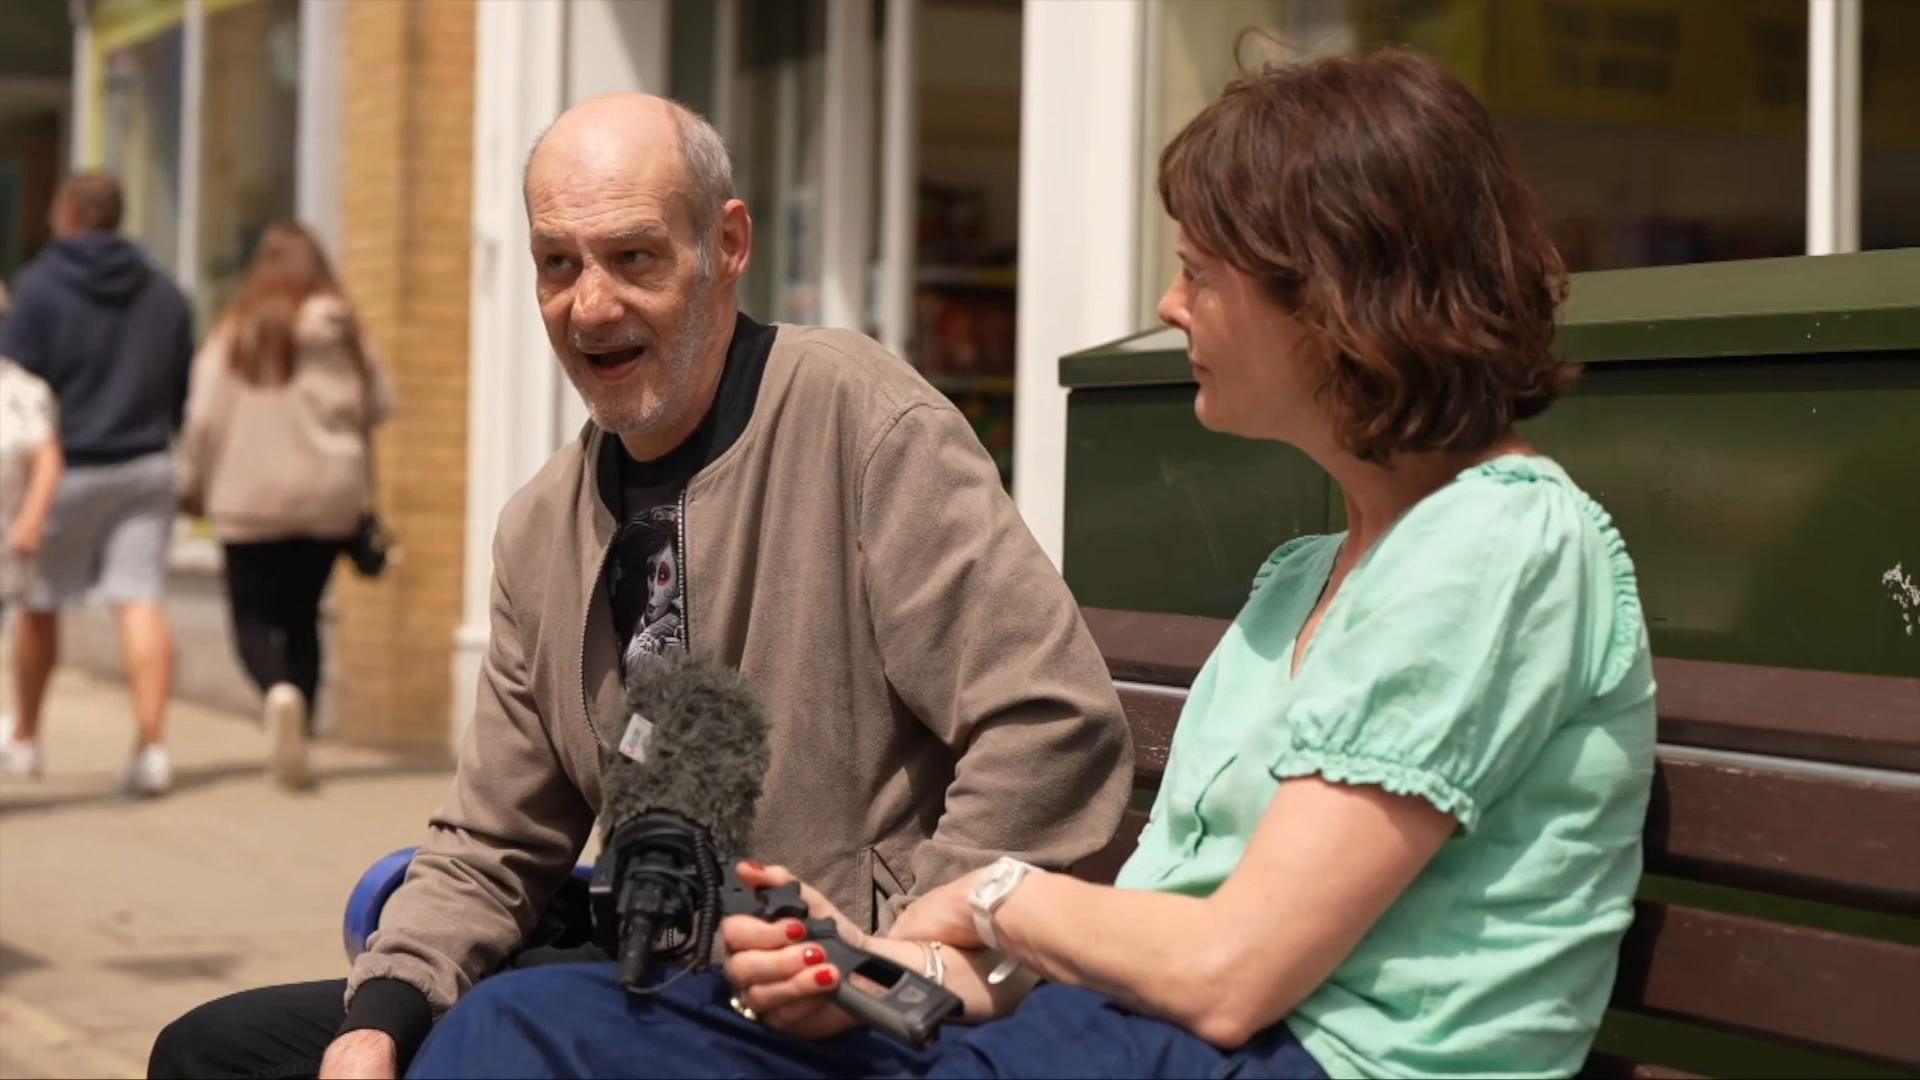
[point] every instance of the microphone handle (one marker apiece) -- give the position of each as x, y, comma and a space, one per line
640, 902
636, 950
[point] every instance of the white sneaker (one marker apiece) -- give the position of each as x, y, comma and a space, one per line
21, 759
287, 735
149, 772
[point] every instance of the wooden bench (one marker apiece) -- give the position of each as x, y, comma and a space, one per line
1778, 930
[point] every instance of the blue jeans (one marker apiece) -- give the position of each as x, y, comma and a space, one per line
574, 1020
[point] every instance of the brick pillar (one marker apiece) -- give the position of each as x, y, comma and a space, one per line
406, 193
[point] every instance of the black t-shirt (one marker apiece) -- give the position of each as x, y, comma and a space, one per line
645, 582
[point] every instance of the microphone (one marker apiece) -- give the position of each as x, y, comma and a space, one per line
679, 795
678, 800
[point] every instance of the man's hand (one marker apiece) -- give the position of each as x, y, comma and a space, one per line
361, 1055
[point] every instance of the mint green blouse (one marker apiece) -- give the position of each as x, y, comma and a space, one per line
1488, 656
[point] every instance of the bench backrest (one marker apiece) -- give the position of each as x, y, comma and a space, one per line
1778, 929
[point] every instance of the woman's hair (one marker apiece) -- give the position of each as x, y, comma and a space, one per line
288, 267
1374, 198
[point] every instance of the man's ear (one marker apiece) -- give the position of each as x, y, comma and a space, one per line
733, 241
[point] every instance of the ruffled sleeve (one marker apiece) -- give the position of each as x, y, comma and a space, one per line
1462, 643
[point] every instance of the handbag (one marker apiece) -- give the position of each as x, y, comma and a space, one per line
371, 546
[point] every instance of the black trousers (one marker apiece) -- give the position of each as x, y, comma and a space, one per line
273, 592
277, 1032
268, 1034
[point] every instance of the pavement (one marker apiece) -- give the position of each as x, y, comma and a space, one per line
119, 914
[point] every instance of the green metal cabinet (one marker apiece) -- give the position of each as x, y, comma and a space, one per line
1754, 428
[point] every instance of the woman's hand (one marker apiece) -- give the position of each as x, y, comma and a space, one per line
945, 914
785, 980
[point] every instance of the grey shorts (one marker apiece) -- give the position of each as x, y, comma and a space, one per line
108, 535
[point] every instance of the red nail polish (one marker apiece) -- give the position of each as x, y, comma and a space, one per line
795, 931
812, 955
824, 977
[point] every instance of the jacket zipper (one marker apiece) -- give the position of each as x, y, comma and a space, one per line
586, 624
686, 571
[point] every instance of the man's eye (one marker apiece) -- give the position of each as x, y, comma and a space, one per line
556, 262
635, 258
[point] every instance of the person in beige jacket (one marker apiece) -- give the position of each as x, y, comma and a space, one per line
795, 503
275, 454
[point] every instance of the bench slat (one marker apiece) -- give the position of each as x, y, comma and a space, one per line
1609, 1067
1829, 991
1144, 646
1818, 715
1825, 990
1868, 720
1153, 712
1829, 835
1730, 820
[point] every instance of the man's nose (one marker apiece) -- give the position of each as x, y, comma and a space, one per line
594, 302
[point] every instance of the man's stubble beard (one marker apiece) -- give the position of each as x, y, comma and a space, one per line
677, 359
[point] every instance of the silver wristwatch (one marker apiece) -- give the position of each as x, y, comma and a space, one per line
991, 891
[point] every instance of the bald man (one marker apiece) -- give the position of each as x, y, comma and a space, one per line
792, 502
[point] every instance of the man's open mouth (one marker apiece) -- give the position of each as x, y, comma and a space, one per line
616, 363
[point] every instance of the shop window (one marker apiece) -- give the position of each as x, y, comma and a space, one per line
967, 93
249, 116
963, 82
1654, 131
142, 87
776, 143
1889, 124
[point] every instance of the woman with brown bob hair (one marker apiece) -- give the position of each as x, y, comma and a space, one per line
1399, 831
286, 394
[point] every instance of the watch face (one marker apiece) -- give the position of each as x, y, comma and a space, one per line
983, 888
997, 879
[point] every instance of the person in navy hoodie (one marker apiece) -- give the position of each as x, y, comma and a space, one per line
113, 337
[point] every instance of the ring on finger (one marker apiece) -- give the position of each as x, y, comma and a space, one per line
743, 1008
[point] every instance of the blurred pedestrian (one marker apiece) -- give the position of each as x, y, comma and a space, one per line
276, 455
30, 467
113, 338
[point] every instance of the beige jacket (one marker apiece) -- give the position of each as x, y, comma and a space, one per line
274, 462
935, 699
